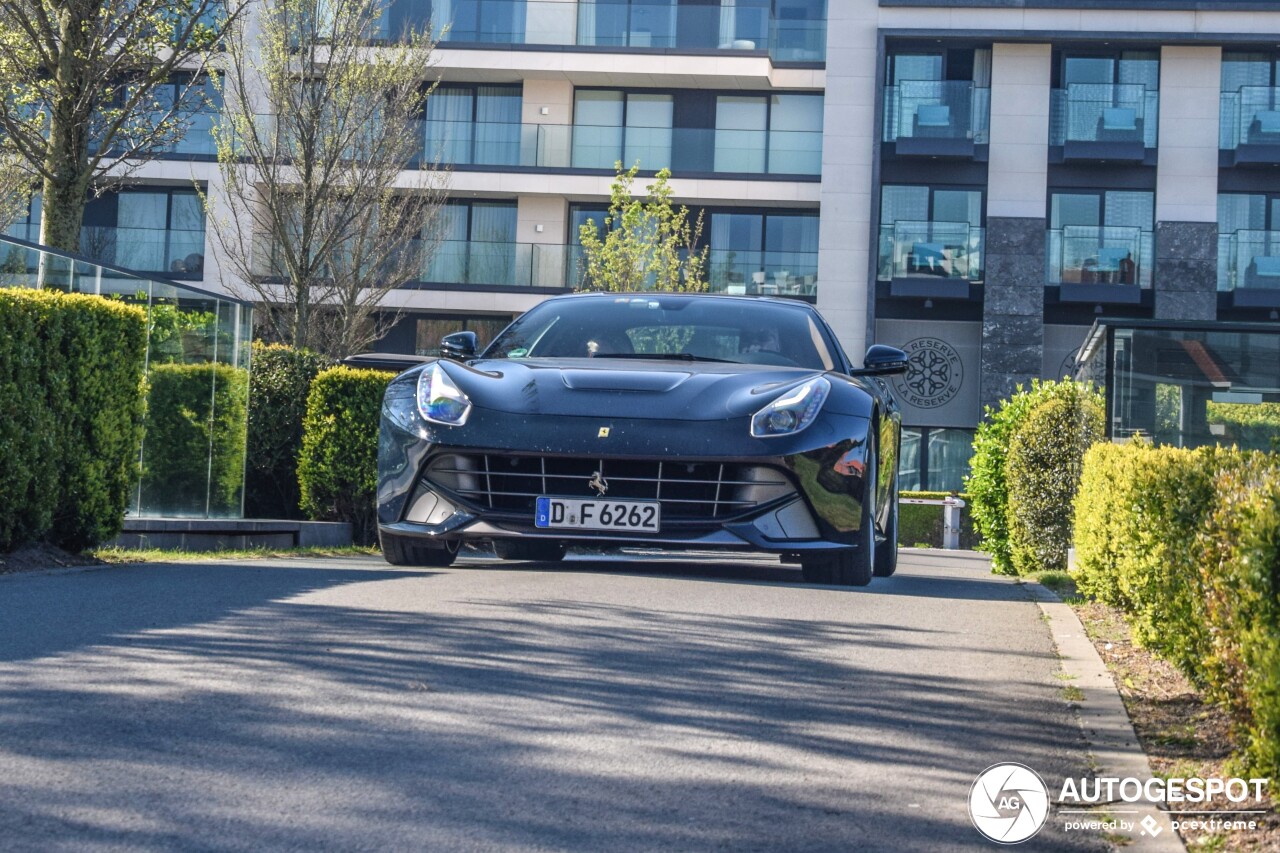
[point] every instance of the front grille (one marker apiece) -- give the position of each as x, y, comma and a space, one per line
688, 491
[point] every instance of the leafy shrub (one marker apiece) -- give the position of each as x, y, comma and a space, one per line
987, 483
281, 379
71, 392
338, 466
1240, 570
1043, 471
924, 522
193, 457
1187, 543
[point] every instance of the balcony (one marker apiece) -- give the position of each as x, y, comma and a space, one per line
936, 118
763, 273
747, 25
495, 264
1099, 264
1251, 263
1250, 126
1103, 122
684, 150
931, 259
172, 253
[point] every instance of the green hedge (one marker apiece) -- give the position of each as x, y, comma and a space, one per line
71, 393
193, 456
989, 484
338, 466
1187, 543
278, 388
922, 524
1045, 454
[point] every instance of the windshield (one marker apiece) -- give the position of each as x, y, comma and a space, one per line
668, 326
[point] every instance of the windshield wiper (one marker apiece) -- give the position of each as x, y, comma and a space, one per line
664, 356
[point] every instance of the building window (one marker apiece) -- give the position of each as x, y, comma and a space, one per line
934, 459
1250, 106
1101, 237
149, 230
931, 231
751, 251
477, 245
1248, 240
474, 125
1105, 97
938, 94
430, 329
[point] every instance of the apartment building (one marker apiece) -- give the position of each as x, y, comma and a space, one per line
975, 181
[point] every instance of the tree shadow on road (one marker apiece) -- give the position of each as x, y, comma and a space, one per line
255, 722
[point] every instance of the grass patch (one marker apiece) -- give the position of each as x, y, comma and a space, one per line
1072, 693
164, 555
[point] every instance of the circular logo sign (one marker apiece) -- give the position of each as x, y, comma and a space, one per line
934, 374
1008, 803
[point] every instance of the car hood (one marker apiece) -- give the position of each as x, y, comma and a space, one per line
624, 388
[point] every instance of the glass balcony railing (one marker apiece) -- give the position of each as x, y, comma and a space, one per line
763, 273
1250, 116
937, 109
621, 24
497, 264
197, 376
1249, 259
159, 251
683, 150
932, 250
1104, 112
1090, 254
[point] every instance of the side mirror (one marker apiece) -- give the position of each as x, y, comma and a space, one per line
459, 345
882, 361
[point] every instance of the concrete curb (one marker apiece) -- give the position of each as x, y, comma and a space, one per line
1112, 741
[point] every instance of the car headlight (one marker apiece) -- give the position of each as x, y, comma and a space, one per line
793, 411
400, 405
439, 400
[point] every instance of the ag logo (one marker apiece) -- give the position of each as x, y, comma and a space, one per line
1008, 803
934, 374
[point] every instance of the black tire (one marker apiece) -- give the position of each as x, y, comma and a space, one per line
851, 566
409, 551
533, 550
887, 551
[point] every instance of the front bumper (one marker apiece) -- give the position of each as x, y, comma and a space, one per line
824, 464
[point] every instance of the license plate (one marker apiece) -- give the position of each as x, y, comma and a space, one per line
594, 514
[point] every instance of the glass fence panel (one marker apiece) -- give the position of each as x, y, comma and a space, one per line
1253, 260
763, 273
1087, 254
1104, 112
912, 249
941, 109
1250, 116
197, 376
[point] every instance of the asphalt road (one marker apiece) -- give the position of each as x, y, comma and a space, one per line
590, 706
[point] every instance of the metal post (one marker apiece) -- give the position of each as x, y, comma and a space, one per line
951, 523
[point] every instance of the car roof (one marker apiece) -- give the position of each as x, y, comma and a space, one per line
665, 294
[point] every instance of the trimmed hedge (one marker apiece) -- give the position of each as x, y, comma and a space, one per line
338, 466
71, 392
923, 523
1045, 454
991, 489
278, 388
1187, 543
193, 457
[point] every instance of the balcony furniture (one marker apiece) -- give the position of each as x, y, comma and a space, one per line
932, 120
744, 44
929, 259
1118, 136
780, 278
769, 289
934, 134
1265, 128
757, 278
738, 289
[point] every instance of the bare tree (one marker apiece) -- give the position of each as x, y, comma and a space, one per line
318, 217
84, 91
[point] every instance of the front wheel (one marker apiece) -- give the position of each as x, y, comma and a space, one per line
410, 551
851, 566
